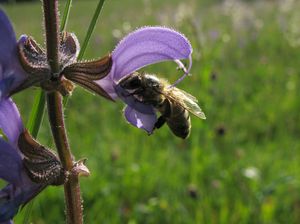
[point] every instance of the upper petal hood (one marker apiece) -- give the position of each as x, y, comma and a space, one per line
148, 45
145, 46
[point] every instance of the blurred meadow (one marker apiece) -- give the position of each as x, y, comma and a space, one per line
241, 165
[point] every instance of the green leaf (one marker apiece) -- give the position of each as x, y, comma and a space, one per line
65, 16
33, 126
91, 28
36, 114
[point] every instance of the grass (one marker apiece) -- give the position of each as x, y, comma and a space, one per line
241, 165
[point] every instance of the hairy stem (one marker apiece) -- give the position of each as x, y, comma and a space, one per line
52, 33
72, 187
56, 115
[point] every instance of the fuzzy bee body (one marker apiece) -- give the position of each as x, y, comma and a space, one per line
177, 118
173, 103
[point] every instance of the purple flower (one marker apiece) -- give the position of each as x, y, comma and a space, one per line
145, 46
20, 189
11, 71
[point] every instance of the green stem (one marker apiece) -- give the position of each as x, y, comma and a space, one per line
33, 126
56, 115
91, 28
37, 114
65, 16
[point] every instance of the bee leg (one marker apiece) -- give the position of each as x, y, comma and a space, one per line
160, 122
165, 109
134, 94
138, 93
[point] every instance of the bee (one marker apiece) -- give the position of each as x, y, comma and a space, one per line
173, 104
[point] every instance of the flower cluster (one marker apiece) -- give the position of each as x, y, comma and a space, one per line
23, 63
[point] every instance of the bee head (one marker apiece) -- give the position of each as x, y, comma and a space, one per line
151, 81
141, 82
131, 82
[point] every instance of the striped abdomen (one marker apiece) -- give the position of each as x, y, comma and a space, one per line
177, 118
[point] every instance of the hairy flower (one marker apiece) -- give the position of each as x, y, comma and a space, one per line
145, 46
11, 71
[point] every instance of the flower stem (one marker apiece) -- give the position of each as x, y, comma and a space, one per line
56, 115
72, 188
52, 33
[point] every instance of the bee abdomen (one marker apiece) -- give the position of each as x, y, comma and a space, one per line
179, 121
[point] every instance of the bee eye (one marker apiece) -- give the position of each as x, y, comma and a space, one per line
134, 83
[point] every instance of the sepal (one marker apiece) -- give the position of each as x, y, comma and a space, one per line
69, 48
93, 70
42, 165
86, 73
32, 57
90, 85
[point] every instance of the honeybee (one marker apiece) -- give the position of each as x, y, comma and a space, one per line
173, 104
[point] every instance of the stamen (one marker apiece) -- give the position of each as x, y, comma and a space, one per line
186, 70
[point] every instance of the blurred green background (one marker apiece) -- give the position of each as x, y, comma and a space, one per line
241, 165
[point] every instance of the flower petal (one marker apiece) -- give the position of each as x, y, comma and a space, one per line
12, 197
5, 85
8, 205
10, 67
133, 102
7, 39
10, 163
147, 46
10, 120
140, 120
108, 85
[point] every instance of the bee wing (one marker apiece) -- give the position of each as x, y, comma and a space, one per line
186, 100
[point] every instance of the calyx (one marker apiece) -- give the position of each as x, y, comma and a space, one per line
33, 59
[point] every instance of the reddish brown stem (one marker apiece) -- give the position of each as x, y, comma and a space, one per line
56, 115
72, 187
